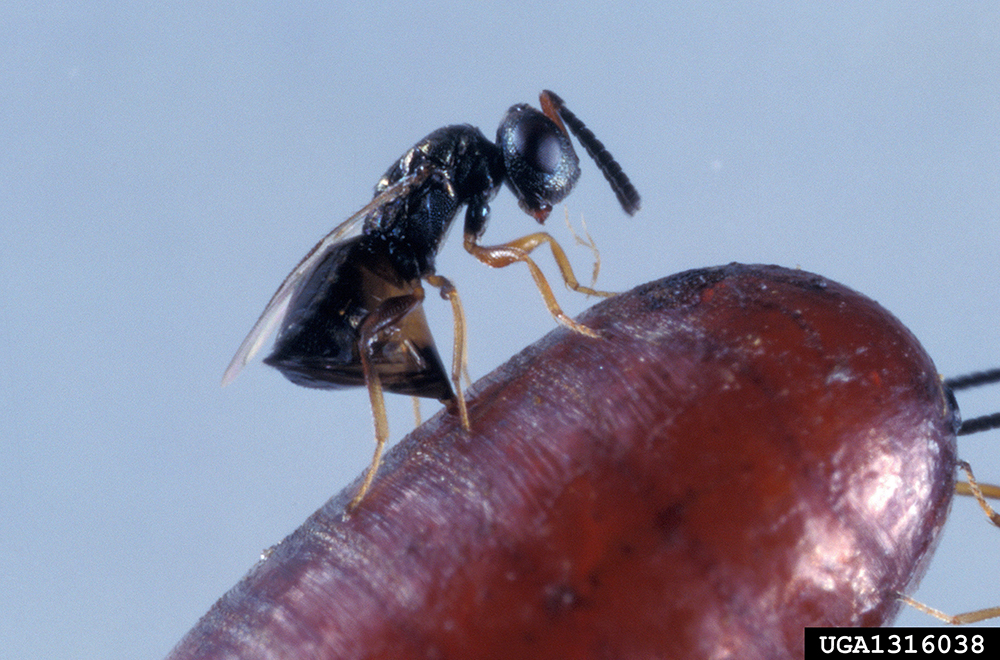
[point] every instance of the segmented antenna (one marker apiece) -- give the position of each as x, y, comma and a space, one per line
973, 380
976, 424
626, 193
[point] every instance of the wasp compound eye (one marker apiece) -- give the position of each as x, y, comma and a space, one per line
535, 142
542, 166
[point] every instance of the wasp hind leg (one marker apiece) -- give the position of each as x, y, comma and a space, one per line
498, 256
386, 315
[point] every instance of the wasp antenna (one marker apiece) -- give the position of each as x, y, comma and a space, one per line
627, 195
973, 380
968, 381
979, 424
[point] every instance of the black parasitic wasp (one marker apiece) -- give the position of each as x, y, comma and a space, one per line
351, 314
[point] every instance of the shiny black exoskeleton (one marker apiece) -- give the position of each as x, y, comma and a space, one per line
351, 312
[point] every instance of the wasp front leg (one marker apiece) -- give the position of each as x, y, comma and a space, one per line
498, 256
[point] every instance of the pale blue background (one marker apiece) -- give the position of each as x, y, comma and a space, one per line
162, 169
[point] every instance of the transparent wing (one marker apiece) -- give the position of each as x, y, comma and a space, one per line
274, 313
